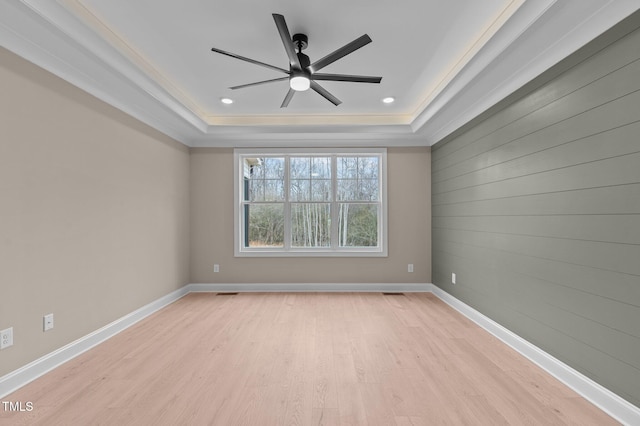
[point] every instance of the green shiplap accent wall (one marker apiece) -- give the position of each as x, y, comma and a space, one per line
536, 208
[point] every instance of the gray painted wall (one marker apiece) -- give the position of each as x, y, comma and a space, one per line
94, 212
536, 208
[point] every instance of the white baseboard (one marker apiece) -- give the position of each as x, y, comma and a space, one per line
311, 287
23, 375
609, 402
617, 407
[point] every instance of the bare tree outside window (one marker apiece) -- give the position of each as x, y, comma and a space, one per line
264, 189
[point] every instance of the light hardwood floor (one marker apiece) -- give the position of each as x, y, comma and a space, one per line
302, 359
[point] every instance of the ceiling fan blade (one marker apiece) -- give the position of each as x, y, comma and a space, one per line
342, 52
287, 98
344, 77
242, 86
286, 40
323, 92
253, 61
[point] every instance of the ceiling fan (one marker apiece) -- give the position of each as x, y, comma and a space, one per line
303, 74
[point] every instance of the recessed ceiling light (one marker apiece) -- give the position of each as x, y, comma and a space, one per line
226, 101
388, 100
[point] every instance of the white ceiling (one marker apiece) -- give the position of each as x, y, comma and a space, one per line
443, 61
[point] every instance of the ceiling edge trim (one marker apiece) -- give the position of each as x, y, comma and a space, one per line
584, 31
505, 37
50, 23
477, 52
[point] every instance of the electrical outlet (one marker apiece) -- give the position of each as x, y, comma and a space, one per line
47, 322
216, 268
6, 338
410, 267
453, 278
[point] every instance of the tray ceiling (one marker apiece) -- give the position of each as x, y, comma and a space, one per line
443, 62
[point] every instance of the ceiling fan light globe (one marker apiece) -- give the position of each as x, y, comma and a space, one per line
299, 83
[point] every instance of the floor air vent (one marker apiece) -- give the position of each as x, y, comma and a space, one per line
227, 294
391, 293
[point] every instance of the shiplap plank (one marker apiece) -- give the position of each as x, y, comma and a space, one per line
605, 284
577, 297
612, 143
593, 125
604, 62
620, 200
606, 256
607, 172
623, 229
607, 89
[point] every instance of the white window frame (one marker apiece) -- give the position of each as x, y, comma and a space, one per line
240, 251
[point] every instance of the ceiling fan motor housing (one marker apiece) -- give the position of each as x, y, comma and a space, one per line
300, 41
304, 60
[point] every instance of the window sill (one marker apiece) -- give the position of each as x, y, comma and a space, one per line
311, 253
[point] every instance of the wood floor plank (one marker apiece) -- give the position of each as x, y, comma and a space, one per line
301, 359
409, 421
325, 417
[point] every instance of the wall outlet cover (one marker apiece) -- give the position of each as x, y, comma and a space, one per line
47, 322
6, 338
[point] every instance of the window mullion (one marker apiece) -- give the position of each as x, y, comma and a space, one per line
381, 216
287, 205
334, 202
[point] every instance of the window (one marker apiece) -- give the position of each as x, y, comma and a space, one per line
310, 202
